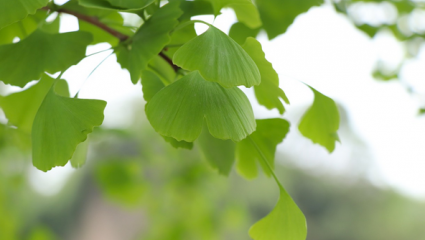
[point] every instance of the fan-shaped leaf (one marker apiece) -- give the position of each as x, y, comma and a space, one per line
179, 110
60, 125
240, 32
28, 59
13, 11
219, 59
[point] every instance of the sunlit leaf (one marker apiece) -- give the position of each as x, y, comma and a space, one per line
321, 121
219, 59
268, 92
60, 125
28, 59
179, 110
269, 133
285, 222
13, 11
219, 153
278, 15
149, 40
240, 32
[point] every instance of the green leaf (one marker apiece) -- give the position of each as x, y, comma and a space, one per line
178, 144
80, 155
179, 110
269, 133
278, 15
321, 121
123, 5
245, 10
179, 38
148, 41
240, 32
195, 8
219, 153
13, 11
285, 222
268, 92
151, 84
20, 108
28, 59
60, 125
162, 69
219, 59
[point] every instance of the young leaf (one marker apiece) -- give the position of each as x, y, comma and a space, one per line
60, 125
278, 15
13, 11
240, 32
321, 121
269, 133
179, 110
28, 59
268, 92
285, 222
149, 40
219, 153
219, 59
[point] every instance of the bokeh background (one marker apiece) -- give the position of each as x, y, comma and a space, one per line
134, 185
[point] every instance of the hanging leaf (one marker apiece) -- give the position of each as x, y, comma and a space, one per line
60, 125
178, 144
285, 222
219, 59
123, 5
240, 32
268, 92
269, 133
149, 40
26, 60
179, 110
321, 121
278, 15
13, 11
219, 153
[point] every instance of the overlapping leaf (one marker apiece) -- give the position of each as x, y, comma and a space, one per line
268, 92
240, 32
13, 11
28, 59
60, 125
180, 109
149, 40
116, 4
80, 155
219, 59
245, 10
269, 133
321, 121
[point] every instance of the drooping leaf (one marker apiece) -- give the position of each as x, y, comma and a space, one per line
179, 110
121, 5
321, 121
219, 153
219, 59
269, 133
60, 125
80, 155
20, 108
28, 59
285, 222
278, 15
268, 92
240, 32
149, 40
13, 11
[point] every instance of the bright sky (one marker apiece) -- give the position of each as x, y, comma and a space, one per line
324, 50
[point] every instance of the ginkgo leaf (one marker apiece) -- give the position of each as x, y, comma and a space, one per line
285, 222
13, 11
219, 153
151, 84
240, 32
60, 125
268, 92
278, 15
80, 155
121, 5
20, 108
245, 11
28, 59
321, 121
162, 69
178, 144
269, 133
149, 40
179, 110
219, 59
195, 8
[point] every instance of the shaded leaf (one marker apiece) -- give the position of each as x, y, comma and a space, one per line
151, 84
162, 69
13, 11
240, 32
80, 155
321, 121
148, 41
268, 92
245, 10
60, 125
269, 133
121, 5
219, 59
28, 59
179, 110
178, 144
195, 8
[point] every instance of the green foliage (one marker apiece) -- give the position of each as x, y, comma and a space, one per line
13, 11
